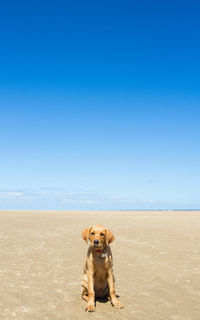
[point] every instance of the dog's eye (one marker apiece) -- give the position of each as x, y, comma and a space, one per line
92, 233
102, 234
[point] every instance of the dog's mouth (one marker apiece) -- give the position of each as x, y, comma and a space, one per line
97, 245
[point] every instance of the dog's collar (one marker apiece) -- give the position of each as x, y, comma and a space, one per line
103, 253
99, 250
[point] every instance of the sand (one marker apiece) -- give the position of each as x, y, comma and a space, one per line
156, 265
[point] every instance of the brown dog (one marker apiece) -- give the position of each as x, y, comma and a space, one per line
98, 279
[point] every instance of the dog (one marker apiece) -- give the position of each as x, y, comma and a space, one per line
98, 279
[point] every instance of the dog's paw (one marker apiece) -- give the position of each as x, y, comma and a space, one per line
90, 307
117, 304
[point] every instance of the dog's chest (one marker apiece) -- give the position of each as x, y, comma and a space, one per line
101, 264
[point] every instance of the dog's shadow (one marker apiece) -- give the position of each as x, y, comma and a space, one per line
103, 299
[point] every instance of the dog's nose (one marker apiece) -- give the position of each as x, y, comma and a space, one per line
96, 241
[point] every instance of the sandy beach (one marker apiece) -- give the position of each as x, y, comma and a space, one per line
156, 264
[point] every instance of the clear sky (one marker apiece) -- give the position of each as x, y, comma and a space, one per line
99, 104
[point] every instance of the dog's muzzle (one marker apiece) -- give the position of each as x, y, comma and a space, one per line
96, 242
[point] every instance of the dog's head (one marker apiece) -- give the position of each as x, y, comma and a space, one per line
99, 236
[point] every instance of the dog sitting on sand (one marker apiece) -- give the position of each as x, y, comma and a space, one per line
98, 280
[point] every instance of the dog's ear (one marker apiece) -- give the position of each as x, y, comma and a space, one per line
85, 234
109, 237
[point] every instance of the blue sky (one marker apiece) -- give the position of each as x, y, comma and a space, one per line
99, 105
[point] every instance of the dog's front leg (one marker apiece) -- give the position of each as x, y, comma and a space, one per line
114, 300
91, 295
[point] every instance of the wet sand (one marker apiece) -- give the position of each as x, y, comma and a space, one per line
156, 265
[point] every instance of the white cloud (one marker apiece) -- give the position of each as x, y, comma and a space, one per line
9, 194
65, 199
56, 198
